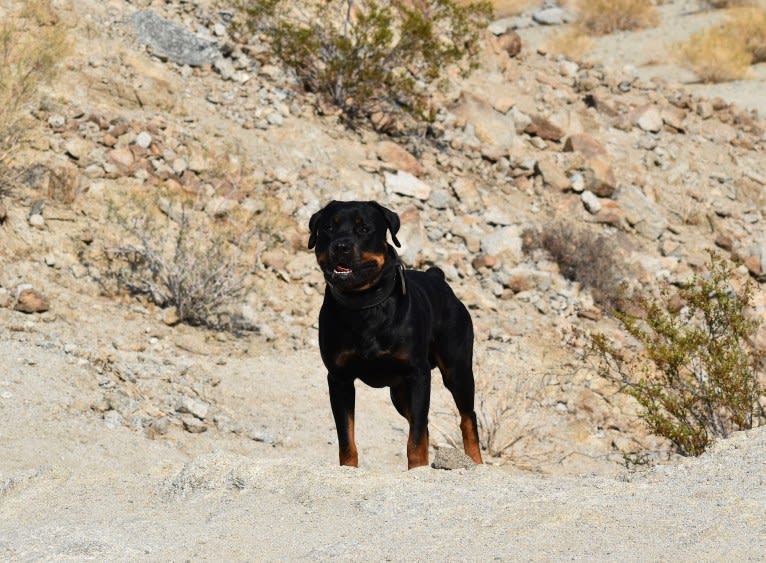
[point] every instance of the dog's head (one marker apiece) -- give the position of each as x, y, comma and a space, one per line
349, 238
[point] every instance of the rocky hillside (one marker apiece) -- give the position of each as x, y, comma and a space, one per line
157, 101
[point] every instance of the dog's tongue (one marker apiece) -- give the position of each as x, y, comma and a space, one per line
342, 269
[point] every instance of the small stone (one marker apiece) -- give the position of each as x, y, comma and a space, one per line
584, 144
393, 154
599, 177
404, 183
648, 118
510, 42
591, 202
57, 121
3, 213
450, 458
37, 221
552, 174
544, 128
192, 424
144, 140
550, 16
5, 298
29, 300
179, 166
170, 316
188, 405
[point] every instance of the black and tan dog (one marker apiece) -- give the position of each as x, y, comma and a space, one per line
388, 327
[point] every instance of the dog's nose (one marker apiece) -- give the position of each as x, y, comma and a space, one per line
342, 246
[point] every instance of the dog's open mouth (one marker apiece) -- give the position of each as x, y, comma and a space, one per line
342, 271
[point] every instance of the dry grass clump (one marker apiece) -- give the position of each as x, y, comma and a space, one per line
183, 255
582, 256
32, 43
601, 17
573, 43
749, 25
506, 8
725, 4
725, 52
716, 55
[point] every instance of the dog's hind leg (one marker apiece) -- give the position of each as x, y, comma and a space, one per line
458, 379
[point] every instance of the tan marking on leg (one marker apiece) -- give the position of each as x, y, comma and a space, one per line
417, 453
470, 436
350, 456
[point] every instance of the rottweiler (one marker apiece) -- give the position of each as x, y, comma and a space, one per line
388, 327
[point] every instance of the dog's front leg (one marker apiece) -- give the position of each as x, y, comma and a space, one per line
420, 398
342, 399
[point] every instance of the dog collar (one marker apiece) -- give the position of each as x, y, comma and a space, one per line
373, 298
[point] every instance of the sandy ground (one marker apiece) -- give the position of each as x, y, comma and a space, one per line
74, 488
649, 53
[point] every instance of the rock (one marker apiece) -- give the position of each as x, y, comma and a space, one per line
490, 126
410, 235
122, 158
640, 212
591, 202
584, 144
3, 213
524, 279
450, 458
57, 121
143, 140
192, 406
404, 183
510, 42
77, 147
648, 118
64, 183
552, 174
5, 298
192, 424
550, 16
504, 104
172, 42
29, 300
170, 316
599, 177
466, 192
504, 241
393, 154
544, 128
37, 220
225, 68
520, 119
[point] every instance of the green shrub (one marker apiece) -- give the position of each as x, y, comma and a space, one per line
696, 375
370, 58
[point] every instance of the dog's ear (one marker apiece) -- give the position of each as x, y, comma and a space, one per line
314, 227
392, 220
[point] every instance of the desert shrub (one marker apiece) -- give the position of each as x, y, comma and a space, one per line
582, 256
724, 4
571, 42
695, 374
749, 25
506, 412
371, 57
32, 43
601, 17
182, 258
716, 55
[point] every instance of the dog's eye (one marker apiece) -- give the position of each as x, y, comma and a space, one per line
362, 229
330, 228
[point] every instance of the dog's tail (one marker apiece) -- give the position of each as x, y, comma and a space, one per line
436, 272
